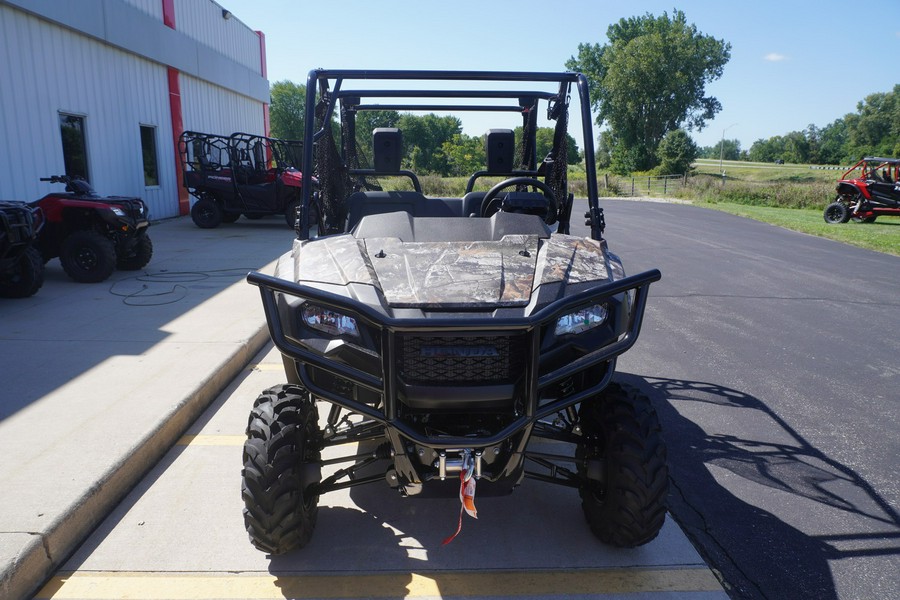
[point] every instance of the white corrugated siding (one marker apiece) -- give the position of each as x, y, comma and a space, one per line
203, 22
52, 70
150, 7
211, 109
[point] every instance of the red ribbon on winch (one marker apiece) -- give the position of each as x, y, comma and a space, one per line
466, 500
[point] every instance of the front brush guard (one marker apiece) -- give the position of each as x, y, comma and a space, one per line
386, 385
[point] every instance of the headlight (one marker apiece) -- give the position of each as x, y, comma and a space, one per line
582, 320
329, 321
118, 211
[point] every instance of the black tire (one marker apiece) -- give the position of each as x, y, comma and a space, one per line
88, 256
623, 462
206, 213
281, 462
27, 277
837, 212
140, 255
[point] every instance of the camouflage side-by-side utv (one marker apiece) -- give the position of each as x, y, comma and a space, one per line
452, 340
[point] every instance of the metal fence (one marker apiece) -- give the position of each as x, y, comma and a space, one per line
648, 185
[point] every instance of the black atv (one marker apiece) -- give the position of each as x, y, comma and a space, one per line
241, 174
867, 190
21, 266
455, 340
93, 235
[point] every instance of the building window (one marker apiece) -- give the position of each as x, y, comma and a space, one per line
74, 143
148, 151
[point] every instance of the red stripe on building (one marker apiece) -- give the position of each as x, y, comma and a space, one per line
263, 70
168, 7
184, 200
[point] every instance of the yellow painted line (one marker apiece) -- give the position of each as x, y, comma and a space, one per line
211, 440
158, 586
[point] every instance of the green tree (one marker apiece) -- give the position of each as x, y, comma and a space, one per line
676, 152
423, 140
368, 121
287, 110
796, 148
603, 151
875, 128
648, 80
832, 140
464, 154
767, 150
725, 149
544, 142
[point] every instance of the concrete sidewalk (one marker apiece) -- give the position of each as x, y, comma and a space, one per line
97, 381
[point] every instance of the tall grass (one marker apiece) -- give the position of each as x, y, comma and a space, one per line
788, 186
778, 194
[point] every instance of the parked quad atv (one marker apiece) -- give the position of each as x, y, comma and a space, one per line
460, 340
867, 190
93, 235
238, 175
21, 266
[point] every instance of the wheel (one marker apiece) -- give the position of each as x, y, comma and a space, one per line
27, 276
281, 467
88, 256
837, 212
140, 255
206, 213
491, 196
290, 213
622, 461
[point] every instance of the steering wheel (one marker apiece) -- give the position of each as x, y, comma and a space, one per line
492, 193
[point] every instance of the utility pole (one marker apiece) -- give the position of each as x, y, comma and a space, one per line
722, 151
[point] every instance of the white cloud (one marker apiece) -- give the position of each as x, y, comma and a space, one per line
774, 57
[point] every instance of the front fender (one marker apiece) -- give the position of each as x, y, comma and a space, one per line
851, 190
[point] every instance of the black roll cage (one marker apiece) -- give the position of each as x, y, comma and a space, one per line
328, 85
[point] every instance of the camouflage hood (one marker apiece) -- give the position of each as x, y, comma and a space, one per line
452, 274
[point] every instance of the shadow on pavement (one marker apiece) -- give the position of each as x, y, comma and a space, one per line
774, 553
69, 328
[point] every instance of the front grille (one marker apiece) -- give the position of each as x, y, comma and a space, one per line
484, 360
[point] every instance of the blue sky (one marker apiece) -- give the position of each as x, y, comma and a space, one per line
793, 62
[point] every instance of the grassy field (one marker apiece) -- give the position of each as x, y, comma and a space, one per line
767, 172
881, 236
790, 196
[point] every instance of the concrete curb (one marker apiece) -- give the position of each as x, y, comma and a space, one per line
49, 549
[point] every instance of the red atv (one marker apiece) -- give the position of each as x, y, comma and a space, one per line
91, 234
241, 174
869, 189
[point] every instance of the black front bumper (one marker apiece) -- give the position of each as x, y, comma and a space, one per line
528, 330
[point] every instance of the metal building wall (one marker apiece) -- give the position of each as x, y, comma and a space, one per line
203, 21
53, 70
78, 68
212, 109
149, 7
